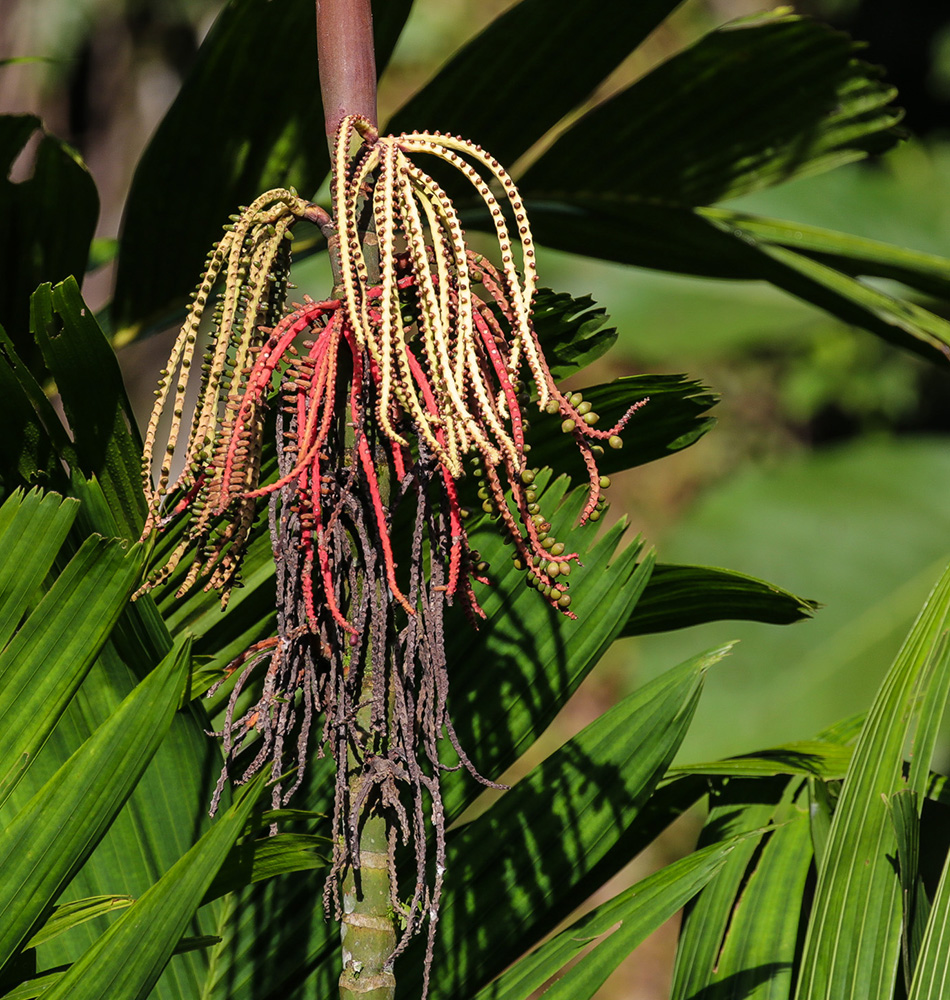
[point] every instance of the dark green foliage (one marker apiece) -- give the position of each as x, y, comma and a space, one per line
46, 224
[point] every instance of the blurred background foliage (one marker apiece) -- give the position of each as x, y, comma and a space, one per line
828, 470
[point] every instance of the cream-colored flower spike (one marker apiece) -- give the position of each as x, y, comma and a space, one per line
412, 213
251, 261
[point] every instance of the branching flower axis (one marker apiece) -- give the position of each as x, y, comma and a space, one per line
412, 376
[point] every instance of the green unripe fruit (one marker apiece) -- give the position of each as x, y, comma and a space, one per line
564, 601
553, 568
591, 418
557, 548
575, 399
615, 442
594, 516
567, 425
585, 407
551, 406
527, 477
605, 482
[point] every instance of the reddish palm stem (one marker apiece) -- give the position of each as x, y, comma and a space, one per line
347, 61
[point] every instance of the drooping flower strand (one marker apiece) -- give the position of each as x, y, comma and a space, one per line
455, 323
246, 279
340, 620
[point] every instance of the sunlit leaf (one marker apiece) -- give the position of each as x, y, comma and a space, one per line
752, 104
621, 924
46, 661
674, 417
104, 434
45, 843
820, 758
736, 807
853, 941
679, 596
547, 56
72, 914
558, 824
125, 963
33, 526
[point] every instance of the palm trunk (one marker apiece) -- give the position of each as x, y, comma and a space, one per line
368, 937
347, 61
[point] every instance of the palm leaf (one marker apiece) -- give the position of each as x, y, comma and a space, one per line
48, 658
46, 224
679, 596
558, 824
621, 924
125, 963
529, 48
105, 441
33, 527
853, 942
755, 103
68, 915
932, 972
46, 842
